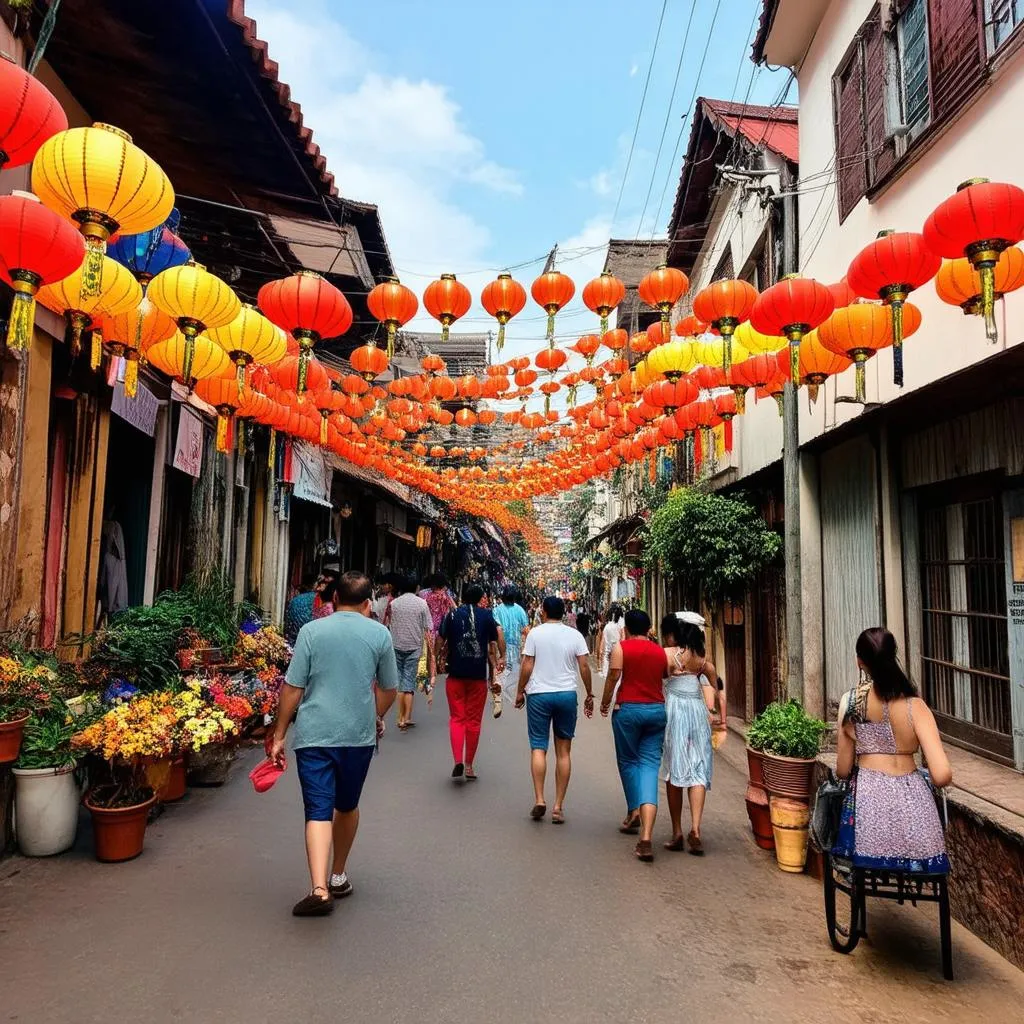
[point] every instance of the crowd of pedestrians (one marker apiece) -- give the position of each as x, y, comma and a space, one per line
356, 650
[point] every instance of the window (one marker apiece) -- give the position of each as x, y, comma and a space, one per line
965, 653
911, 50
1002, 17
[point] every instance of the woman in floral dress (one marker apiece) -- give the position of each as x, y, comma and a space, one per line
439, 601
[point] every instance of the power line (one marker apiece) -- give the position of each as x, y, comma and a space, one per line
643, 100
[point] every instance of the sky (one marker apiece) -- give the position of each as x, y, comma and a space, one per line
486, 133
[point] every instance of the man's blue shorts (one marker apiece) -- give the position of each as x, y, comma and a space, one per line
408, 663
331, 779
547, 711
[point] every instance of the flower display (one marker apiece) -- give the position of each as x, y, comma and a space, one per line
263, 648
201, 720
143, 726
24, 687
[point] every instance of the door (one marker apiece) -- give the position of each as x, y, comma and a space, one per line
735, 667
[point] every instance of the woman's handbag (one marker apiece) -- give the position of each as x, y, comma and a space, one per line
828, 809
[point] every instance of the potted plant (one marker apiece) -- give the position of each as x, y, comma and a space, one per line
788, 740
46, 790
22, 690
119, 797
207, 729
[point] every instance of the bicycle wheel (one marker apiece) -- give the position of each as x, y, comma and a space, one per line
843, 906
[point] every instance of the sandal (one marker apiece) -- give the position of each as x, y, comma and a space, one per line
696, 846
676, 844
538, 812
471, 775
557, 818
314, 905
644, 850
631, 826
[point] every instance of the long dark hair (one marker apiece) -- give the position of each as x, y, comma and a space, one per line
876, 648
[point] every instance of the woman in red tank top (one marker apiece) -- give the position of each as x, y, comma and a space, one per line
638, 724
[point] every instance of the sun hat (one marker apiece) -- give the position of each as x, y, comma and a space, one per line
265, 774
694, 618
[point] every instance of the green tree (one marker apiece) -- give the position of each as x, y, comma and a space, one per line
710, 541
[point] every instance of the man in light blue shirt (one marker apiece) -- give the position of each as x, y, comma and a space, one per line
511, 616
338, 718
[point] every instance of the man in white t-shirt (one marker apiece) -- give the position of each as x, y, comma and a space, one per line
555, 658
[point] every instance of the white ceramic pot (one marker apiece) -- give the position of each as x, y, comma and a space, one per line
46, 802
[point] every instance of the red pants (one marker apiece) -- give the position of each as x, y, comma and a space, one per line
467, 699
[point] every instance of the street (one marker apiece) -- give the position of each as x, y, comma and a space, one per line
464, 911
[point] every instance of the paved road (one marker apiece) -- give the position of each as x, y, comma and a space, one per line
464, 911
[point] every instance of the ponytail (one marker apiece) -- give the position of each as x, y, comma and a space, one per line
876, 648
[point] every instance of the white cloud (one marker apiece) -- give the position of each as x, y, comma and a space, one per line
633, 69
389, 140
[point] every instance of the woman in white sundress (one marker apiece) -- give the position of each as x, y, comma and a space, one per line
612, 633
689, 699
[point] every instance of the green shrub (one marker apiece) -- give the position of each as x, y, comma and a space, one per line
787, 730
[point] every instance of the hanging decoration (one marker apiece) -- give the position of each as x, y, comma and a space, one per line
130, 334
790, 309
602, 296
959, 284
307, 307
101, 180
149, 253
446, 300
857, 332
661, 289
551, 291
979, 221
250, 338
394, 306
503, 299
890, 268
724, 305
29, 115
37, 247
189, 360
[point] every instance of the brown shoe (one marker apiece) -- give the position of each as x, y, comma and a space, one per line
696, 846
643, 850
631, 826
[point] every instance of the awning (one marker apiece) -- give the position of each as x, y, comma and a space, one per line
623, 527
323, 247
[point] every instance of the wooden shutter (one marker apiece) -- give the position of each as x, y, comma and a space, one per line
957, 53
880, 145
851, 130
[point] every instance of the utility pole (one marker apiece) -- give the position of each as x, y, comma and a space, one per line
549, 265
791, 473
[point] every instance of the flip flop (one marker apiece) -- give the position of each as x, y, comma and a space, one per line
696, 846
538, 812
644, 851
677, 844
557, 818
471, 776
630, 827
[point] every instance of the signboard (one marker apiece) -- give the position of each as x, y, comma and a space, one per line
188, 452
139, 411
312, 474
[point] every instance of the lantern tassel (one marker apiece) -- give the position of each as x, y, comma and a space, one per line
323, 430
860, 387
240, 377
444, 331
652, 468
131, 378
241, 437
727, 352
92, 269
547, 404
78, 323
23, 315
300, 385
728, 435
897, 342
812, 393
273, 452
222, 434
666, 328
741, 400
392, 330
794, 362
501, 335
96, 352
551, 329
986, 271
604, 327
778, 401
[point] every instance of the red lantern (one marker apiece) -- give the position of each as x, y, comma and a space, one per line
726, 409
550, 359
754, 372
790, 309
29, 115
602, 295
307, 307
670, 394
287, 374
661, 289
616, 340
890, 268
469, 387
446, 300
393, 305
587, 347
690, 327
503, 299
551, 291
843, 294
369, 361
37, 246
981, 220
724, 305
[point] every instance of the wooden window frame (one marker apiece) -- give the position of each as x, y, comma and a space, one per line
896, 85
1014, 38
855, 51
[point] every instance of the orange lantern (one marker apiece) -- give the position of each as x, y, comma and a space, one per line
817, 363
587, 347
446, 300
551, 291
616, 340
857, 332
724, 305
959, 284
602, 295
503, 299
661, 289
393, 305
369, 361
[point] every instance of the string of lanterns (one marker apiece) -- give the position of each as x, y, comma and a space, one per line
95, 242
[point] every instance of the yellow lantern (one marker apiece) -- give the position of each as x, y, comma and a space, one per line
671, 360
196, 300
131, 334
250, 338
188, 359
710, 350
98, 178
755, 342
116, 292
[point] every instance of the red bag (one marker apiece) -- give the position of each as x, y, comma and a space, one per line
265, 774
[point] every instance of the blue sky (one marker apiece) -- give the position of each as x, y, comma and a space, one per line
488, 132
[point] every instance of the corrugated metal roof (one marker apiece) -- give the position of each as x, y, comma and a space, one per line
773, 127
324, 247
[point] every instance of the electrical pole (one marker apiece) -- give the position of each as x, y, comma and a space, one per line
791, 474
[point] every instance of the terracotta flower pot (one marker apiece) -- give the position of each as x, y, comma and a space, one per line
166, 776
755, 774
789, 823
176, 784
119, 832
760, 818
10, 738
788, 776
